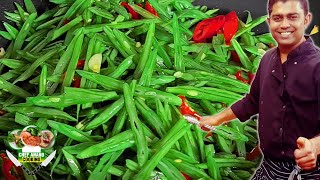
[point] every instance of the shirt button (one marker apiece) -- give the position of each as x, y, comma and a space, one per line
284, 106
282, 152
273, 71
295, 63
284, 76
261, 102
281, 131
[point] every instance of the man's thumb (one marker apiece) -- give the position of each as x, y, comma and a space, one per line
302, 142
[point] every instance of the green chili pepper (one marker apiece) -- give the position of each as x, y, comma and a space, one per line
118, 142
13, 63
13, 89
145, 79
30, 6
106, 115
178, 57
73, 61
135, 124
146, 51
50, 23
28, 73
142, 11
6, 35
174, 135
120, 122
104, 14
58, 32
11, 30
73, 164
242, 55
21, 11
251, 25
169, 170
21, 36
190, 170
150, 116
33, 111
72, 96
43, 81
15, 17
72, 132
213, 167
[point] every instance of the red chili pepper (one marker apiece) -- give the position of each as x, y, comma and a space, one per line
185, 109
80, 64
235, 56
8, 168
251, 77
208, 28
230, 26
186, 176
254, 154
220, 31
240, 78
2, 112
76, 81
66, 21
134, 14
149, 8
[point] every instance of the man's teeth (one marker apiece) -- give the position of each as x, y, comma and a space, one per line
285, 33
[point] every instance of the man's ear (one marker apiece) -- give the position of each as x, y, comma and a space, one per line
268, 20
307, 19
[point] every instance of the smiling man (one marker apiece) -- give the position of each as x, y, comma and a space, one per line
286, 95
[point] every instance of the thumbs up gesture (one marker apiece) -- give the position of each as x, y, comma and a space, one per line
305, 155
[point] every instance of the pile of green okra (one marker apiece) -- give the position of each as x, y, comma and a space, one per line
107, 85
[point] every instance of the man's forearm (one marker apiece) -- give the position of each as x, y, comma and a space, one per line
226, 115
217, 119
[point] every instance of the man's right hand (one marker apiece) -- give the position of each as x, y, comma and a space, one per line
218, 119
210, 120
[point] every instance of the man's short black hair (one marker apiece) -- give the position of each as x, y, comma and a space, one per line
304, 4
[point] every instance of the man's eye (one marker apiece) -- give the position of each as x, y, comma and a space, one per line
276, 18
293, 17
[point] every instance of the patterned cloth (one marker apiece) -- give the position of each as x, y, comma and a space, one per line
279, 170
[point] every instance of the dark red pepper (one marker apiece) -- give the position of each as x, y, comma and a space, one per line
186, 176
251, 77
240, 77
133, 13
9, 170
235, 56
254, 154
76, 81
2, 112
80, 64
230, 26
66, 21
207, 28
149, 8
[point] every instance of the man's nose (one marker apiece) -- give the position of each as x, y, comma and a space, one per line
285, 23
